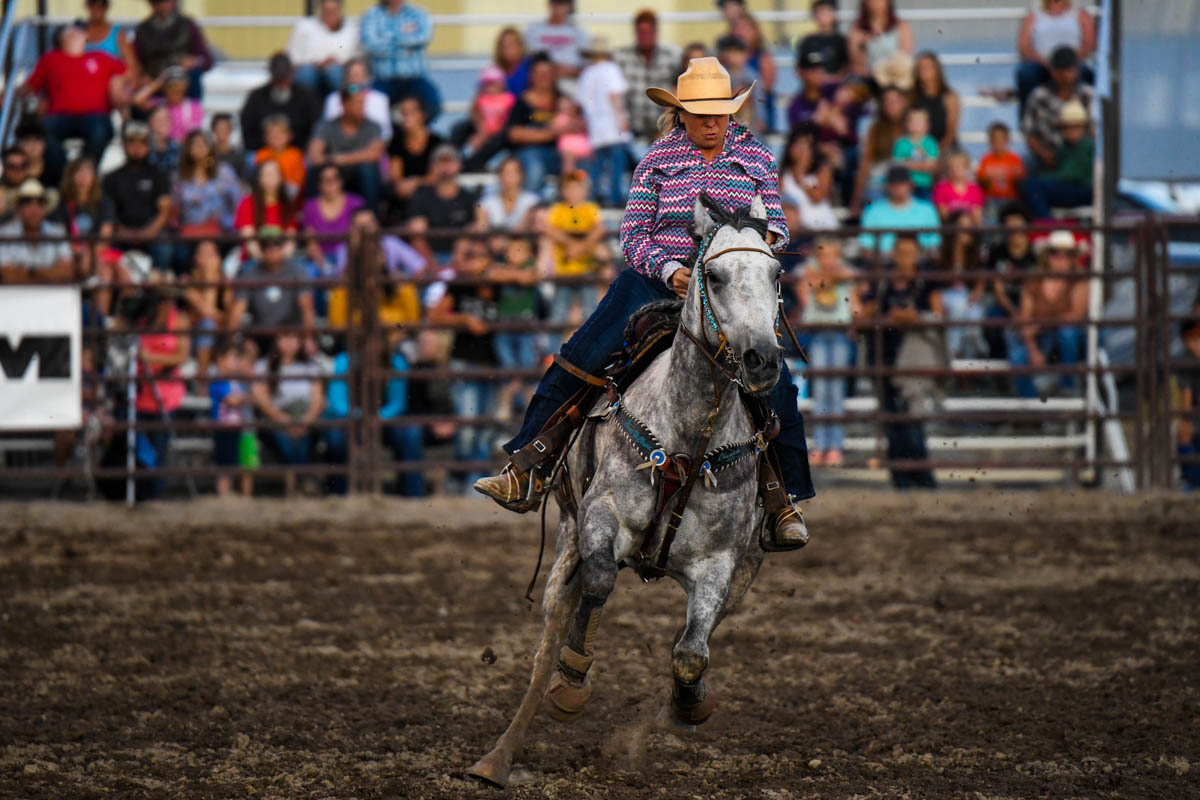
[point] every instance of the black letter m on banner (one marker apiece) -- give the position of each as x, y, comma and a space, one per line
53, 352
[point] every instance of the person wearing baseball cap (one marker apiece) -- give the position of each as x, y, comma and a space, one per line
1068, 183
899, 208
700, 146
43, 254
1039, 122
141, 196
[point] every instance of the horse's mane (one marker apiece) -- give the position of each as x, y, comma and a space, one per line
738, 219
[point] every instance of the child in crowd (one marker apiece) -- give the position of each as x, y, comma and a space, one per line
918, 151
277, 135
164, 151
573, 148
231, 407
518, 301
828, 297
573, 245
734, 55
288, 392
490, 110
224, 150
169, 90
1188, 432
957, 193
1000, 172
1068, 182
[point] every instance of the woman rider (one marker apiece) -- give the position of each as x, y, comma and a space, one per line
700, 149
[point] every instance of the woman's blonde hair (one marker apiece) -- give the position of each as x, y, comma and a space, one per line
667, 121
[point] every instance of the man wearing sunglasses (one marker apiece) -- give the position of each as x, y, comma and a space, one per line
352, 143
16, 169
33, 250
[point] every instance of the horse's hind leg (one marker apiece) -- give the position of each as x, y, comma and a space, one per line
570, 687
692, 702
558, 601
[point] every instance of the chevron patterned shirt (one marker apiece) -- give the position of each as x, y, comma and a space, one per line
656, 233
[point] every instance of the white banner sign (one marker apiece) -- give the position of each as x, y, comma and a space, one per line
40, 346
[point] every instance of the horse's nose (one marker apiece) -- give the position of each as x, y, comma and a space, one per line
762, 365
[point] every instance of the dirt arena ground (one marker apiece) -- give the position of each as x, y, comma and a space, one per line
978, 645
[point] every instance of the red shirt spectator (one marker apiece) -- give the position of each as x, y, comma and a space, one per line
75, 84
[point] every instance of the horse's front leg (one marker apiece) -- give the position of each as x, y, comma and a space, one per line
692, 701
570, 687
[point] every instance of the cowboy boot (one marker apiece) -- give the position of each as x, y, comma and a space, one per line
516, 489
784, 526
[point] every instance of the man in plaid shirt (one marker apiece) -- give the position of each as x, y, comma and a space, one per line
1045, 104
394, 36
646, 63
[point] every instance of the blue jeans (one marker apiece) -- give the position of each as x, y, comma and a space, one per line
538, 161
1041, 193
417, 86
407, 443
601, 336
826, 350
292, 450
95, 130
566, 298
472, 398
1065, 340
607, 171
963, 341
160, 442
516, 349
321, 81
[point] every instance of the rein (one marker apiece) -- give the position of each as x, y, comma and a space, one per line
722, 363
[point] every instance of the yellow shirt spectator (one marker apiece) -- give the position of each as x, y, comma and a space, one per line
575, 221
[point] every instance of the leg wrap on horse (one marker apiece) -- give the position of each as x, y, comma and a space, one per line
570, 688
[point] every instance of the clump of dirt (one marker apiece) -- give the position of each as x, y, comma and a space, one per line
990, 645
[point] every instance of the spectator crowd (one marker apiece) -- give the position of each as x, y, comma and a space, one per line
335, 157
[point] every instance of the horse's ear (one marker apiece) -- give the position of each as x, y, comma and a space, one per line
702, 221
758, 209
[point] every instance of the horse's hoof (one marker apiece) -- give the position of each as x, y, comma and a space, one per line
565, 700
492, 769
667, 721
693, 704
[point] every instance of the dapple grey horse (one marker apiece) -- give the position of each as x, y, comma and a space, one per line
716, 553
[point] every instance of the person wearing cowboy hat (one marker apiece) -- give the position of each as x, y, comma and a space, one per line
1050, 298
601, 94
1068, 183
43, 254
701, 147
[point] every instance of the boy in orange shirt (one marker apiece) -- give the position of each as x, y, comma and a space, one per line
1000, 173
277, 134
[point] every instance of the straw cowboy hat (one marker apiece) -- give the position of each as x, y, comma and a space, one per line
32, 189
1072, 113
704, 89
1061, 239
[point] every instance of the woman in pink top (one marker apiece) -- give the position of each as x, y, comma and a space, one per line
160, 353
958, 192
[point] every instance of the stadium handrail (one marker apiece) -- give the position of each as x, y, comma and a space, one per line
6, 42
962, 14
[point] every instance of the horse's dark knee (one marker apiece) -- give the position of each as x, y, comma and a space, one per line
598, 576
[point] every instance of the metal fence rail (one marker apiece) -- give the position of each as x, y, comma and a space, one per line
1080, 451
